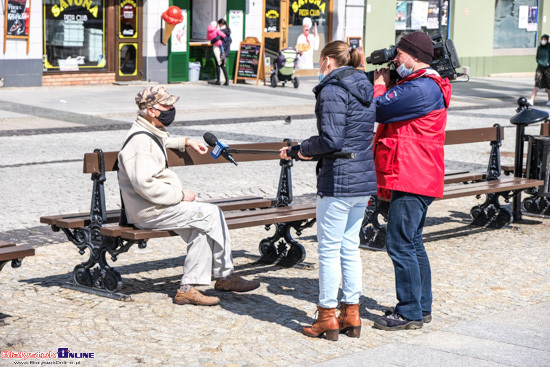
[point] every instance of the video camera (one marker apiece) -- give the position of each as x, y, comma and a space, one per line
445, 59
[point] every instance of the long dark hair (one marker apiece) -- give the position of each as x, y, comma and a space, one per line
223, 22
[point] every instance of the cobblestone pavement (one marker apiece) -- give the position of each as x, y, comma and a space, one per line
476, 271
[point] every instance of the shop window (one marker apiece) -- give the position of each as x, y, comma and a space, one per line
203, 12
318, 13
421, 15
74, 34
515, 24
128, 59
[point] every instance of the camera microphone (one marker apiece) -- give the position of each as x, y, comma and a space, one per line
219, 148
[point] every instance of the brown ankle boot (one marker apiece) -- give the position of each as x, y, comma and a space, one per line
326, 323
349, 320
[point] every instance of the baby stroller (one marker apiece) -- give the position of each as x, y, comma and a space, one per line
284, 67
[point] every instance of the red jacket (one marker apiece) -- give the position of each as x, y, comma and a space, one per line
408, 146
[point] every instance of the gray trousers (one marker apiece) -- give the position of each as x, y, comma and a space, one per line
202, 226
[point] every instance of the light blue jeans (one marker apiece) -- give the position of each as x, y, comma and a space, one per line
338, 222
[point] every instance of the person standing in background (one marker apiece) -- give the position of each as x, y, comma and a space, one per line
216, 36
542, 75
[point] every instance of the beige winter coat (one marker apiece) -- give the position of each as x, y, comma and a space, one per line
147, 186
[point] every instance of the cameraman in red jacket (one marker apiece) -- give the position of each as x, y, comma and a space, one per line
408, 154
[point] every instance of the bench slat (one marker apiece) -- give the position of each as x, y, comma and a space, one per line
15, 252
71, 223
248, 213
490, 187
79, 220
239, 220
249, 204
464, 136
226, 200
461, 187
6, 244
189, 157
466, 177
288, 216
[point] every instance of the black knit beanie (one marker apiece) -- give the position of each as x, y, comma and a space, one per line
419, 45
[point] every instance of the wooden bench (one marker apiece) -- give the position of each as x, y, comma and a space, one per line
99, 233
9, 252
489, 183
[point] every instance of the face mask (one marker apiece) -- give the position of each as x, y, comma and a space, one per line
543, 42
167, 117
319, 74
404, 72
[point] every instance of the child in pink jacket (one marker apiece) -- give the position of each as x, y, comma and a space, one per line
211, 33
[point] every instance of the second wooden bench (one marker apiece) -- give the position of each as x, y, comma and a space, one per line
489, 183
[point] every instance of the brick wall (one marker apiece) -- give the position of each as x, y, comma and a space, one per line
77, 79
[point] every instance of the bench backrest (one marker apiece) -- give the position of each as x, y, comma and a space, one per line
473, 135
188, 158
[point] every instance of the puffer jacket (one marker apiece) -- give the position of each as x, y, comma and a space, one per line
345, 122
408, 147
212, 32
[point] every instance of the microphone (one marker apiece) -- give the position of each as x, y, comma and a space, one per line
220, 148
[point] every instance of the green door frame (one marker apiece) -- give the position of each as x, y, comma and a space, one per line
178, 62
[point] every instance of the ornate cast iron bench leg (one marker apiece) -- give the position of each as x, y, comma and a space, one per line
102, 279
372, 233
282, 247
491, 213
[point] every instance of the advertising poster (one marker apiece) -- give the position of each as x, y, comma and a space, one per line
401, 15
17, 12
128, 19
357, 43
235, 23
179, 35
433, 15
532, 16
522, 17
419, 14
272, 17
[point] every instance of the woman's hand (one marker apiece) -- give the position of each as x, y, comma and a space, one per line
198, 146
282, 153
304, 157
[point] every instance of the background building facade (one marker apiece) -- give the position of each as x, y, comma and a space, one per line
103, 41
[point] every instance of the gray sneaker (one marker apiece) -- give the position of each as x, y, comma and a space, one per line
396, 322
426, 316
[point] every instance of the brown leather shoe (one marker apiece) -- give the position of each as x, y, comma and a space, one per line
349, 320
326, 323
194, 297
236, 284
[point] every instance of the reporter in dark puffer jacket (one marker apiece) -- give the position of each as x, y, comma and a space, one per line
345, 123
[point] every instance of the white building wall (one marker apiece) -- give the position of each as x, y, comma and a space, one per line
254, 17
155, 54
